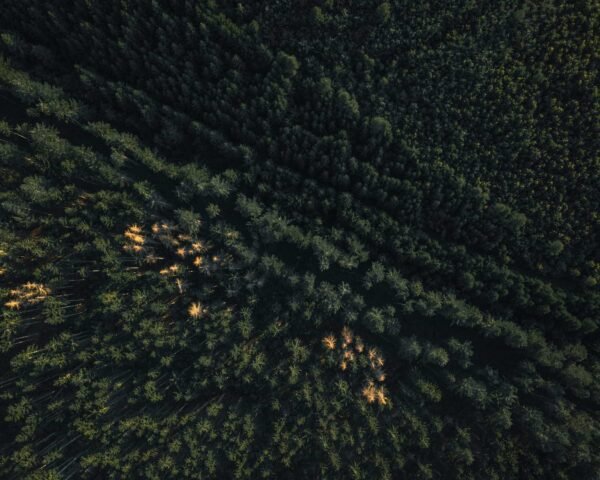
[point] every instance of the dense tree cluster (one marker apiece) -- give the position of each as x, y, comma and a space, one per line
219, 220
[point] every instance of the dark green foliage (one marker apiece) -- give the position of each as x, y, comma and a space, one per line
383, 12
177, 300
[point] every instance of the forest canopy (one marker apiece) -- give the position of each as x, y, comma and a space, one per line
313, 239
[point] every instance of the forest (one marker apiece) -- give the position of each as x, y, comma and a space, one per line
300, 239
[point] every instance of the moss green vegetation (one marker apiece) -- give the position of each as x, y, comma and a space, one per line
299, 239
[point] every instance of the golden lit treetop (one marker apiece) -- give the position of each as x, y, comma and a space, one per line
29, 293
195, 310
329, 342
197, 247
381, 397
369, 392
13, 304
351, 350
